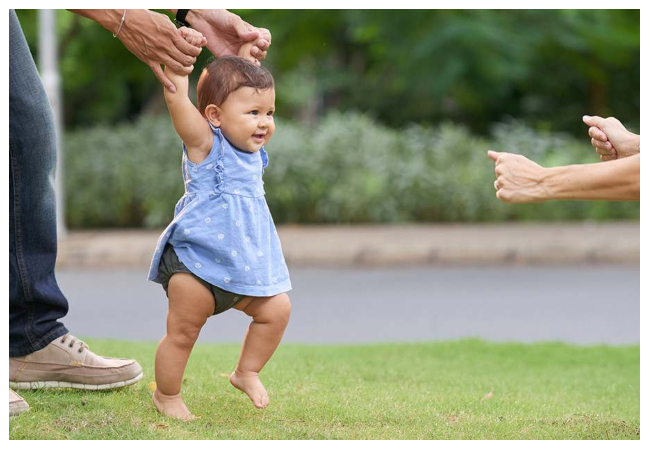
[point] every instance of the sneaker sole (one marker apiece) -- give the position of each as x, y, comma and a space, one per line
18, 408
66, 384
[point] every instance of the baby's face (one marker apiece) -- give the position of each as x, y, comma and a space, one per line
247, 118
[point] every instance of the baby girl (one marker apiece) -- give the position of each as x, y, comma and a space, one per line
221, 250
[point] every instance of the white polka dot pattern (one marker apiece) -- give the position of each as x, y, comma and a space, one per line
222, 226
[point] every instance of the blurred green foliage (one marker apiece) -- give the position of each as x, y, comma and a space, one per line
383, 115
347, 168
475, 67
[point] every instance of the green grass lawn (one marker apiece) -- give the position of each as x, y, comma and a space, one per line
467, 389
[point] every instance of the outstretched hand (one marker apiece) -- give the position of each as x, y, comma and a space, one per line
518, 178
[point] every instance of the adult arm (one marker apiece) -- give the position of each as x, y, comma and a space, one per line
520, 180
611, 139
227, 32
150, 36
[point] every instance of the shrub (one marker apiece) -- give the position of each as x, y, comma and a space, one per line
346, 169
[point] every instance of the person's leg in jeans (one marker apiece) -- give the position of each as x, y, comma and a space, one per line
35, 300
41, 352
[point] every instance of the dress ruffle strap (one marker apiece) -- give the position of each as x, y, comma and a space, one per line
219, 169
265, 158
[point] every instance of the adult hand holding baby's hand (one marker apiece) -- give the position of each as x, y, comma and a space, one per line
193, 37
181, 80
154, 39
227, 33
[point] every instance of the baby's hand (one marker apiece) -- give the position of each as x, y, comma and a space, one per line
245, 52
193, 37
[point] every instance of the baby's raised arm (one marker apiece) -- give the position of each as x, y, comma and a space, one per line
188, 122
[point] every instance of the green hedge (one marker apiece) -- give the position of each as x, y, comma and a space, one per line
346, 169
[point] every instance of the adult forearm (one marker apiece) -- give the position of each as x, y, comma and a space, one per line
612, 180
107, 18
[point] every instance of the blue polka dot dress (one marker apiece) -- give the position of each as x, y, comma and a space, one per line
222, 228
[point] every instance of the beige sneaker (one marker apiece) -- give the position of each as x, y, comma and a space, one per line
17, 404
67, 362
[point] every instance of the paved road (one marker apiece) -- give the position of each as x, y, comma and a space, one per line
578, 304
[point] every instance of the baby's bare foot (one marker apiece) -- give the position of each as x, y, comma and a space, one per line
250, 384
172, 406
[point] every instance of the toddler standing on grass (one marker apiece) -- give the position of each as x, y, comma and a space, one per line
221, 250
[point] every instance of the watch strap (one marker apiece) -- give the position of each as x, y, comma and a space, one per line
181, 17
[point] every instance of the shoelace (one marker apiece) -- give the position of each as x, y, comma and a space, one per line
73, 340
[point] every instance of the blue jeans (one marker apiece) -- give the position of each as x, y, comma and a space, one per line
35, 301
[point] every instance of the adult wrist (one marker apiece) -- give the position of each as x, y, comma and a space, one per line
181, 17
193, 16
550, 183
628, 144
111, 20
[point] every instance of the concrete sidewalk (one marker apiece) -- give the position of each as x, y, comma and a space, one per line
372, 245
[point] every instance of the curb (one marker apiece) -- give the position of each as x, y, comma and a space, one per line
379, 245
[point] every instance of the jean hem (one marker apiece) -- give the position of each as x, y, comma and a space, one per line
40, 344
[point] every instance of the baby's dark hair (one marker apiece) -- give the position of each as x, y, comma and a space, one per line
225, 75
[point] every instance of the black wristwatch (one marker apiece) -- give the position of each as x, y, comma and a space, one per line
181, 15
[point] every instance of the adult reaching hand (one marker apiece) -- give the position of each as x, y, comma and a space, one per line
611, 139
520, 180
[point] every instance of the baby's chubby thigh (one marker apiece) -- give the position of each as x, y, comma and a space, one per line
276, 308
190, 305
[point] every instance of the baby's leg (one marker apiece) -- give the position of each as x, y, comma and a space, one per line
270, 317
190, 305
